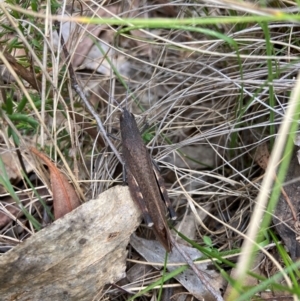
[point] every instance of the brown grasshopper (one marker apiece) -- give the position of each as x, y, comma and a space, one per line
145, 183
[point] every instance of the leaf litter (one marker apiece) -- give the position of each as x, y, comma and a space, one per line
285, 215
191, 106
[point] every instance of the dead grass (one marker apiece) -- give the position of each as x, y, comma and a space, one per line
207, 102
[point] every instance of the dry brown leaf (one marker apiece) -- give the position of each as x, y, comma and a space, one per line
65, 198
10, 211
285, 215
249, 281
11, 163
166, 8
262, 159
86, 53
74, 257
8, 208
276, 295
204, 153
152, 251
262, 156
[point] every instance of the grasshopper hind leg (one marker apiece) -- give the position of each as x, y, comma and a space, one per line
164, 193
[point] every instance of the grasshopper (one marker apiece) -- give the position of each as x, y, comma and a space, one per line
145, 183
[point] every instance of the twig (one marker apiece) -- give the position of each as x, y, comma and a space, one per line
198, 273
79, 91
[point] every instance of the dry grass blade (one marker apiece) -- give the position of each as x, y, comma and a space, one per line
211, 91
